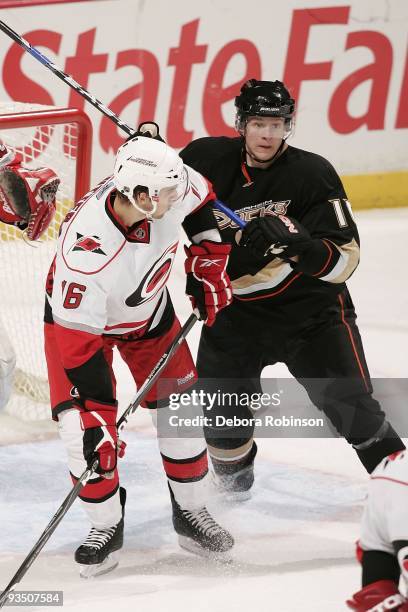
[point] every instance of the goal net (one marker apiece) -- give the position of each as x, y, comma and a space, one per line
59, 138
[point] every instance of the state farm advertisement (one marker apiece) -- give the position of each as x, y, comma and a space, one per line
345, 63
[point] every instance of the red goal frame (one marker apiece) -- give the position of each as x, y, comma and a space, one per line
57, 117
21, 3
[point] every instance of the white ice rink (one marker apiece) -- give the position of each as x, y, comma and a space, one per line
294, 538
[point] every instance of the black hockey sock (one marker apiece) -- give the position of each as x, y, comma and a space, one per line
379, 565
370, 457
228, 468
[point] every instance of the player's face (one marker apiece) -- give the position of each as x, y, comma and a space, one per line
263, 136
167, 198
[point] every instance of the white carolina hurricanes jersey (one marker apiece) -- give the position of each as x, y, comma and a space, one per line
110, 279
385, 518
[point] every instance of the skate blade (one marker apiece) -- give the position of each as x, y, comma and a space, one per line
98, 569
191, 546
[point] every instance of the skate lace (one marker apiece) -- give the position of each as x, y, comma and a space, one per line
99, 537
202, 520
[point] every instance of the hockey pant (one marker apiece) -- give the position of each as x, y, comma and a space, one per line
184, 460
329, 349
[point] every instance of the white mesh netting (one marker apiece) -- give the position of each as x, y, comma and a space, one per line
24, 265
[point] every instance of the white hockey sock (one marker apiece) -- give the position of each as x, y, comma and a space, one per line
101, 514
181, 458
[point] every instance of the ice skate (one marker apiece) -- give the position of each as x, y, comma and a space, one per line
199, 533
234, 485
99, 553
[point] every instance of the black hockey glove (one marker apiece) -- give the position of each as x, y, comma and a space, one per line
276, 235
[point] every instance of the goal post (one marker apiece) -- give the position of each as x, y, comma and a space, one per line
59, 138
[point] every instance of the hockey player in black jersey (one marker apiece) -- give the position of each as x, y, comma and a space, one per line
288, 269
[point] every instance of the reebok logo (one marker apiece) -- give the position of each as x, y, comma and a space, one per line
207, 263
186, 378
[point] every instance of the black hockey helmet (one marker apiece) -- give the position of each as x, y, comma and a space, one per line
264, 99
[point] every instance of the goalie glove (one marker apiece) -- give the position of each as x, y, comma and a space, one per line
276, 235
27, 197
379, 596
208, 284
100, 439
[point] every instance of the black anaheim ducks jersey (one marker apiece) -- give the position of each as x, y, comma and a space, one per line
299, 185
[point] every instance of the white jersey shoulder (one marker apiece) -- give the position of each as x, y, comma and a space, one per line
199, 191
394, 467
89, 242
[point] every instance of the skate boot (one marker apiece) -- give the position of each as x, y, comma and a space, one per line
199, 533
234, 480
97, 555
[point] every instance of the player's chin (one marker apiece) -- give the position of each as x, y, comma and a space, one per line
264, 152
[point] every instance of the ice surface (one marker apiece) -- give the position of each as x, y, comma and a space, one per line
295, 537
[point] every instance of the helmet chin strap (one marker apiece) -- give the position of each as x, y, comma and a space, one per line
148, 214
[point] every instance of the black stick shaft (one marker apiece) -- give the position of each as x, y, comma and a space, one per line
69, 500
65, 77
46, 534
69, 80
157, 370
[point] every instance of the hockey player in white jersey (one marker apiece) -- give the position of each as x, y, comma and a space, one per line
27, 201
383, 546
106, 289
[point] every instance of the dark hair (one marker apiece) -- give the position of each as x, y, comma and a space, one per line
137, 190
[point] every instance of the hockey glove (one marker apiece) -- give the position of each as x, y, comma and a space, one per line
380, 595
27, 197
276, 235
100, 440
208, 284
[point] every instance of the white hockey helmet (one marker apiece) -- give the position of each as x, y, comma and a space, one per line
150, 163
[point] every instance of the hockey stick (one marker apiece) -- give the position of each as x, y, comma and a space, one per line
69, 500
69, 80
157, 370
64, 77
230, 213
46, 534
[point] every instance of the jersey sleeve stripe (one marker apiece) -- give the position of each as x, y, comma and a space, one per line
390, 479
